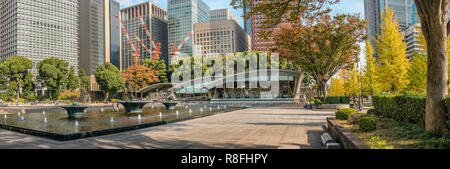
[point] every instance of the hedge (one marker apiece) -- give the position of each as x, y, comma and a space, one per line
336, 99
409, 109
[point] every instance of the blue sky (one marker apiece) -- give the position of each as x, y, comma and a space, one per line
344, 7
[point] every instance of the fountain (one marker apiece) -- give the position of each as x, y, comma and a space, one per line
75, 111
43, 112
170, 105
134, 106
22, 118
45, 120
112, 120
201, 109
177, 113
190, 111
102, 109
5, 117
160, 115
139, 117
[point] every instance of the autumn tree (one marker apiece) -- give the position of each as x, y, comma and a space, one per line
159, 66
337, 86
352, 84
369, 80
139, 76
279, 11
391, 50
323, 46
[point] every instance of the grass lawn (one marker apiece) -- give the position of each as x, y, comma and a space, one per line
391, 134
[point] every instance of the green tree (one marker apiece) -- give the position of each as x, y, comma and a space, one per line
159, 66
391, 50
109, 79
29, 87
53, 75
84, 81
18, 74
371, 86
72, 80
4, 71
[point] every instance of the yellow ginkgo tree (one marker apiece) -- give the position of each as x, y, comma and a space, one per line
391, 50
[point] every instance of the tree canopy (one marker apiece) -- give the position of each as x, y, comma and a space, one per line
18, 74
52, 73
109, 79
322, 46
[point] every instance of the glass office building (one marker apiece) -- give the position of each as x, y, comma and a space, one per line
405, 12
114, 9
183, 14
39, 30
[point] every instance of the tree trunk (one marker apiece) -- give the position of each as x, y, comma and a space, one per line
437, 79
298, 87
18, 95
106, 96
433, 15
324, 90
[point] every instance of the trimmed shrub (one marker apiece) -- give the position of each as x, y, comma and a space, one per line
344, 114
367, 123
337, 100
409, 109
371, 112
354, 118
447, 114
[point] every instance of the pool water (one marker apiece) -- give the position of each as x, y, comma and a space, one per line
55, 121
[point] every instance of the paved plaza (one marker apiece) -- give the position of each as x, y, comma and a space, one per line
281, 127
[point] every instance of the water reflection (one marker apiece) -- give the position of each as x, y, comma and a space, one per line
55, 120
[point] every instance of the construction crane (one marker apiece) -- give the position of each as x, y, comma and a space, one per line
175, 51
130, 42
156, 47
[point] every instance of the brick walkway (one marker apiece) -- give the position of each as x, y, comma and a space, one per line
283, 127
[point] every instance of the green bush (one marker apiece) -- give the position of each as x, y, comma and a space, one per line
316, 101
354, 118
367, 123
337, 100
344, 114
447, 105
409, 109
371, 112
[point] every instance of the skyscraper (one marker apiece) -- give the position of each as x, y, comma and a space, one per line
39, 29
253, 25
222, 14
248, 23
405, 11
155, 19
221, 36
98, 36
183, 14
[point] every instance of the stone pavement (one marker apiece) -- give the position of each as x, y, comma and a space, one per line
283, 127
